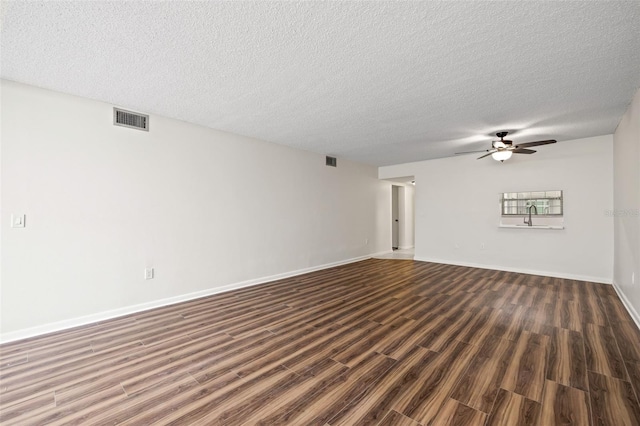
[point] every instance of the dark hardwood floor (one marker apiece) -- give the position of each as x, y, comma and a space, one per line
378, 342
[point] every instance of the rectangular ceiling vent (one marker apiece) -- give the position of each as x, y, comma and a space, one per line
130, 119
332, 161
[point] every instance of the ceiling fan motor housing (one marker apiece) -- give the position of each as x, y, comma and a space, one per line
501, 135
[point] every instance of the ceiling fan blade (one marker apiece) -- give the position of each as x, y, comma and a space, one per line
487, 154
537, 143
523, 151
472, 152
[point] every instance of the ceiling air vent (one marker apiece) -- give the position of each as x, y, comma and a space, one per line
332, 161
130, 119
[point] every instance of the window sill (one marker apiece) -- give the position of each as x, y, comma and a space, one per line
524, 226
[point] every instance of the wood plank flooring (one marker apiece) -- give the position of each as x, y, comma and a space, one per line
378, 342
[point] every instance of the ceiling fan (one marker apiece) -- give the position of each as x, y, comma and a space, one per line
501, 150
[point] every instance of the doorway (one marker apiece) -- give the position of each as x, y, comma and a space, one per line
395, 218
402, 214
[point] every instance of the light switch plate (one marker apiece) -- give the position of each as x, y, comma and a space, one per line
18, 220
148, 273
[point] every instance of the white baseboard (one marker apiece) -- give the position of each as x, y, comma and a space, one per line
106, 315
521, 270
382, 253
627, 304
405, 247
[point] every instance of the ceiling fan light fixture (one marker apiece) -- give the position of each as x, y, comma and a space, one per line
501, 155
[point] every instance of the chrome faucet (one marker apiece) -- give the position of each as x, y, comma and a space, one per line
530, 222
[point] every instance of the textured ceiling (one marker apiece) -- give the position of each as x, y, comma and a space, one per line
375, 82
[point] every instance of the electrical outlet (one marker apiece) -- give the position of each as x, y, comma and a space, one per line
366, 241
633, 278
18, 220
148, 273
482, 246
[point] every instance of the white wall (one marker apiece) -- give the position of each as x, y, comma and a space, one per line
626, 217
457, 210
207, 209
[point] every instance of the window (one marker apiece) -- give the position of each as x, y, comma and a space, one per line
547, 203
